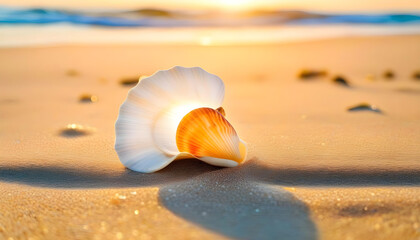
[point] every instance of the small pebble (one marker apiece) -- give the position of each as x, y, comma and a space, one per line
306, 74
341, 81
388, 74
74, 130
131, 81
364, 107
88, 98
416, 75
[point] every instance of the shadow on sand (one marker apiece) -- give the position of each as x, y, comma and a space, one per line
246, 202
230, 203
60, 177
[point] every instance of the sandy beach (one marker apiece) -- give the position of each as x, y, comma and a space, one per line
314, 169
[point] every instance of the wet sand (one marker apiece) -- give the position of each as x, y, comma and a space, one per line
315, 170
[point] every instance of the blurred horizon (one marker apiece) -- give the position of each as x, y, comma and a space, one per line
37, 22
226, 5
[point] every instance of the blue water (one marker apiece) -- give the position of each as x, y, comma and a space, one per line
162, 18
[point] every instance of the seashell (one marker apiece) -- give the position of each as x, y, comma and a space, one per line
176, 114
205, 132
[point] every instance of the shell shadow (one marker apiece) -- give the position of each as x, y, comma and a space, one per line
184, 170
346, 176
232, 203
88, 177
245, 202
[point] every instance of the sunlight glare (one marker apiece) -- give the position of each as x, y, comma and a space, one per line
235, 3
178, 112
167, 124
205, 41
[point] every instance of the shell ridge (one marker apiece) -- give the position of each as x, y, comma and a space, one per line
227, 132
214, 145
203, 137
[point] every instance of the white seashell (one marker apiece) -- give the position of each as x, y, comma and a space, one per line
168, 115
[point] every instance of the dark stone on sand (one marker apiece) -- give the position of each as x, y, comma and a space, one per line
416, 75
341, 80
88, 98
388, 74
306, 74
364, 107
73, 130
129, 81
72, 73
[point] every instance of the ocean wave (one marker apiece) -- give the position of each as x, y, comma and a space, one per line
165, 18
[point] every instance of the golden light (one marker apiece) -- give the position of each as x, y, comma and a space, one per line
168, 123
235, 4
179, 112
205, 41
